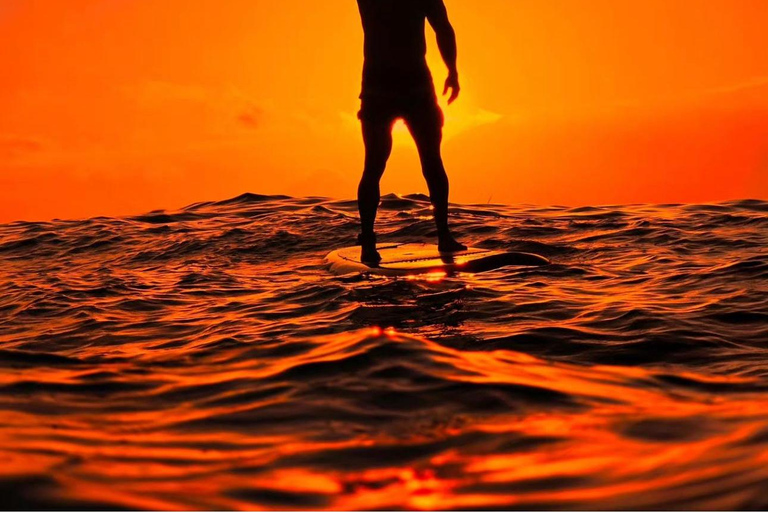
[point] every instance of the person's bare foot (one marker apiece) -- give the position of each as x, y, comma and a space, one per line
368, 254
449, 244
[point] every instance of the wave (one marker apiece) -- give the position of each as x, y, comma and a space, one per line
206, 358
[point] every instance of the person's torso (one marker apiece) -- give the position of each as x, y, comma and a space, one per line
395, 46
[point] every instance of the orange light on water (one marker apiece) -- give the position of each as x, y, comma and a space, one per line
426, 491
430, 277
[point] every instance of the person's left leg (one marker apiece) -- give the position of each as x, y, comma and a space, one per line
377, 137
426, 127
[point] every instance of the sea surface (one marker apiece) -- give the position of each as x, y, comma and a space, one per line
207, 359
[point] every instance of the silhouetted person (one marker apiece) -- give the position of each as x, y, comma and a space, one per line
397, 84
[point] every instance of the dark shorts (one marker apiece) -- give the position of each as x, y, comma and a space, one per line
421, 109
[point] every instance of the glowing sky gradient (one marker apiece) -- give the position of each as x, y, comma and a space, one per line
121, 106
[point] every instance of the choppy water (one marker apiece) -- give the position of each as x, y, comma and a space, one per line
206, 359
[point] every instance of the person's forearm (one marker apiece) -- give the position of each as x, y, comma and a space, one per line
446, 42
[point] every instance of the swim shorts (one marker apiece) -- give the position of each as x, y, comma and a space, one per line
417, 109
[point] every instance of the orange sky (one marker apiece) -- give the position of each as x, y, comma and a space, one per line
122, 106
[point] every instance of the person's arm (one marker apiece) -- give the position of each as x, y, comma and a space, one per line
446, 41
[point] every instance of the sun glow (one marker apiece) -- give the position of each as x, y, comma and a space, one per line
462, 116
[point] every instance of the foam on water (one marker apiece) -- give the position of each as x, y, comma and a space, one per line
205, 358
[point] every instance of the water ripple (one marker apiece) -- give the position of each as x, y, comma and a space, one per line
205, 358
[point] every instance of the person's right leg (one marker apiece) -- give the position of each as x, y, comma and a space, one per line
377, 137
426, 125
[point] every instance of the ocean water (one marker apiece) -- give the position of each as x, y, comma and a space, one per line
205, 358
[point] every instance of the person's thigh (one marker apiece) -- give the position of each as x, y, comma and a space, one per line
376, 121
425, 122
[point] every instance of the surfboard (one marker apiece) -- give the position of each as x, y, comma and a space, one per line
415, 259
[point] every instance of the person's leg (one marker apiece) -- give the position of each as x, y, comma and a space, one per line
426, 126
377, 137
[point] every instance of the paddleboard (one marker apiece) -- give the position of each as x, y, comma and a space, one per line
414, 259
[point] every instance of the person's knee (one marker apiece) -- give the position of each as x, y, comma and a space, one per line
371, 179
433, 168
376, 162
374, 170
430, 155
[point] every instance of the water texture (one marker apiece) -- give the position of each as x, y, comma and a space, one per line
206, 358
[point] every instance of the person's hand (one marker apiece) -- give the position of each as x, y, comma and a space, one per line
452, 84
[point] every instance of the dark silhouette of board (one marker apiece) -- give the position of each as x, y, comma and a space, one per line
413, 259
